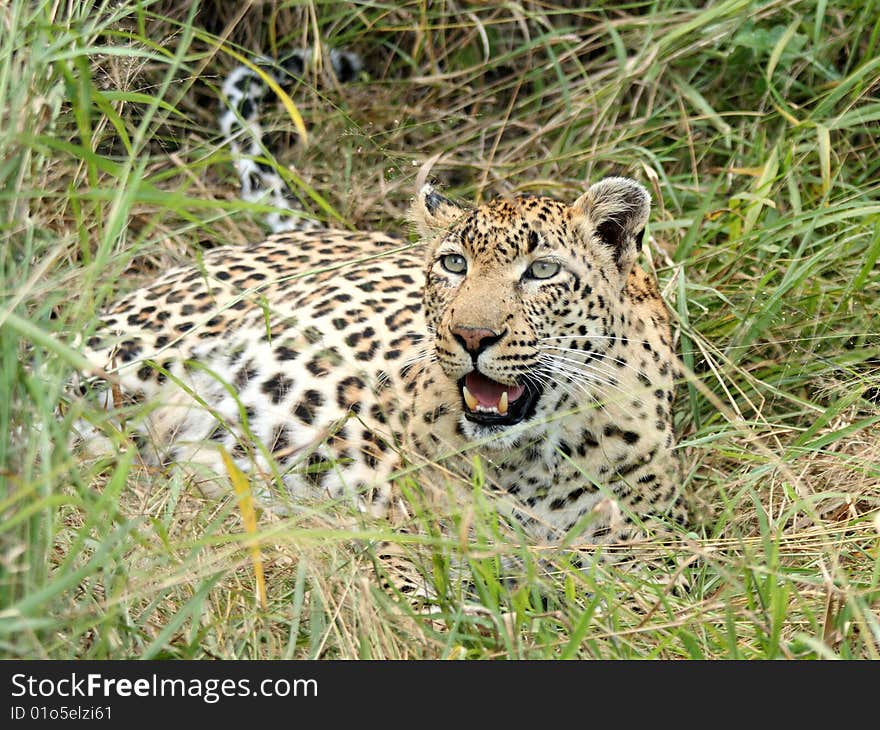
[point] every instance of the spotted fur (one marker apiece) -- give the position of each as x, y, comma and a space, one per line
323, 361
519, 335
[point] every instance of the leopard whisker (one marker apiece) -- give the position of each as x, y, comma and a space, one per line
556, 338
598, 363
424, 356
589, 375
571, 388
574, 389
598, 357
587, 387
595, 369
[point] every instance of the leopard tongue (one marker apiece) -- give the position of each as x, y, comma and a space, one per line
489, 394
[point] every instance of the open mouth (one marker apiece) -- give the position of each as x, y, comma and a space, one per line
492, 403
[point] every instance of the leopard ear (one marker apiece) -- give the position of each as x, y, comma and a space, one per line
432, 213
612, 215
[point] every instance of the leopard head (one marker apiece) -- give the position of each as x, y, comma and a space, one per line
522, 296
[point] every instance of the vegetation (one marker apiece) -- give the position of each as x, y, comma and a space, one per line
754, 125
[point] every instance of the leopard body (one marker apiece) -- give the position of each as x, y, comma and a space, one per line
517, 337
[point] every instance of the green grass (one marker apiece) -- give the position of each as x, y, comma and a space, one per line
754, 125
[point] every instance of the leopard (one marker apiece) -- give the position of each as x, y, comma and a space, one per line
518, 338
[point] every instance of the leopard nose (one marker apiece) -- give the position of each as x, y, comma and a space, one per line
475, 339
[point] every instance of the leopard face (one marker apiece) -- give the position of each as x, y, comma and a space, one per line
521, 299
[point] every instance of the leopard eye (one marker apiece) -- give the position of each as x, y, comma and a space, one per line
542, 269
454, 263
